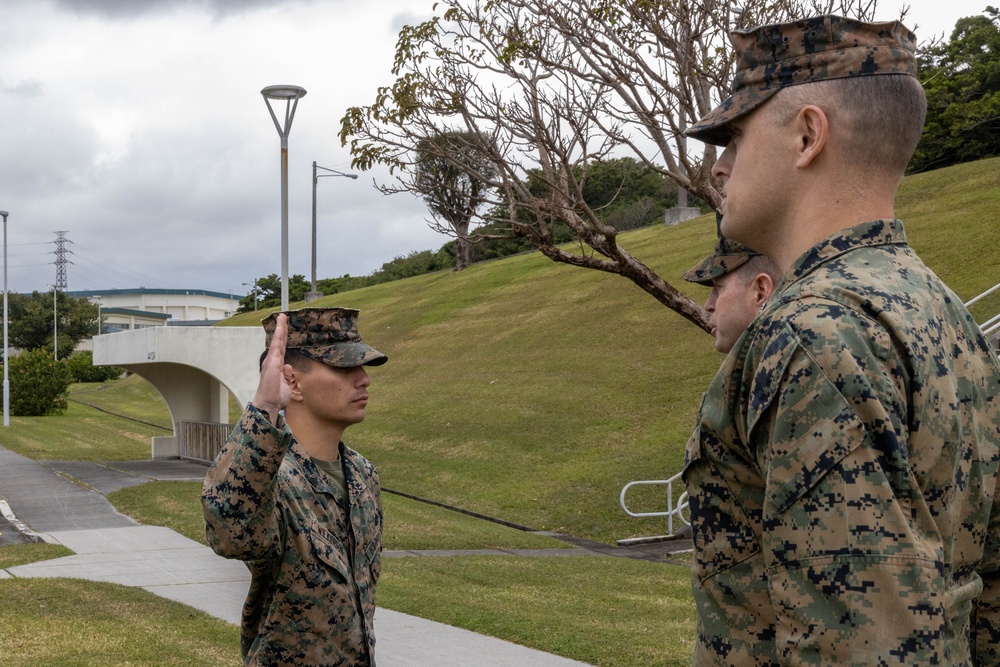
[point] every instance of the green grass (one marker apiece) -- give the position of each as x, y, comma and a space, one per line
559, 387
408, 524
951, 221
176, 505
131, 396
534, 391
612, 612
414, 525
81, 434
22, 554
58, 622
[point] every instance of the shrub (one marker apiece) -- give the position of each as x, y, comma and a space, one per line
38, 384
81, 365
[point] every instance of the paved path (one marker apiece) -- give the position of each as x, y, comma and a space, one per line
111, 547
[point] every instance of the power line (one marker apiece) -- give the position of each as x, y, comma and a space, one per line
135, 276
15, 266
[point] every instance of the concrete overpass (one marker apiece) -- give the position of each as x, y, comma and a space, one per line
194, 369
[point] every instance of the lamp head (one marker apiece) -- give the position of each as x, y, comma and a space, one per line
283, 92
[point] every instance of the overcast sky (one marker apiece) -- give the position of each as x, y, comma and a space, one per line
137, 127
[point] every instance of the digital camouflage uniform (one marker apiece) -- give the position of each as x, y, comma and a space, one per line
313, 564
842, 473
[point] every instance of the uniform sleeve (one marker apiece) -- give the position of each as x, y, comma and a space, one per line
239, 493
851, 581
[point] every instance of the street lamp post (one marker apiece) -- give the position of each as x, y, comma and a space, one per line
290, 95
6, 380
254, 293
310, 296
55, 326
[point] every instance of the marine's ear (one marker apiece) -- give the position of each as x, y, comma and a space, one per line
813, 129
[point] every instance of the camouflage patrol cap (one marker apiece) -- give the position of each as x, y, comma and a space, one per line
327, 335
773, 57
728, 256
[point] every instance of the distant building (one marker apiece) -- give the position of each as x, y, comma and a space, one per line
128, 309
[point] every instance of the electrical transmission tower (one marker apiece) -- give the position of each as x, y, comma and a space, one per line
61, 261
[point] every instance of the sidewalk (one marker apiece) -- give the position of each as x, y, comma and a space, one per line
111, 547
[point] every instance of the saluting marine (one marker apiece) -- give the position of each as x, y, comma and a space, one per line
302, 509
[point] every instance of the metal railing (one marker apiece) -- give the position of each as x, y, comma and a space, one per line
992, 325
202, 441
675, 508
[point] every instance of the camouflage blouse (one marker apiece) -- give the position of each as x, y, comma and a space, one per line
842, 473
267, 503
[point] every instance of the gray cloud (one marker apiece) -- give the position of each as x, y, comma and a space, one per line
128, 9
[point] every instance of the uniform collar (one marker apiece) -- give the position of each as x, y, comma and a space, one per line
353, 478
867, 234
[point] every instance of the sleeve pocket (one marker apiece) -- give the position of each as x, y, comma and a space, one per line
374, 546
813, 428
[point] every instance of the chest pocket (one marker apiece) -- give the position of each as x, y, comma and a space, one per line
330, 550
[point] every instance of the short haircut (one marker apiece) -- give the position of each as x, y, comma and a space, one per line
761, 264
293, 358
879, 118
299, 361
756, 265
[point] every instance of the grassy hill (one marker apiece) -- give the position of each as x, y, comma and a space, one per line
533, 391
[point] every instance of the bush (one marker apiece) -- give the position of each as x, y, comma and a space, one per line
38, 384
81, 365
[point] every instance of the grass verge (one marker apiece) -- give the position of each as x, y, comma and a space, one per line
81, 434
612, 612
58, 622
22, 554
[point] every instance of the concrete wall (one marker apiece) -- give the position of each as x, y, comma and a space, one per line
193, 368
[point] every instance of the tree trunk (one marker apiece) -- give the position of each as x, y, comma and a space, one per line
462, 252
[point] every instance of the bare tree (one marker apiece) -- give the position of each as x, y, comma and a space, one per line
547, 87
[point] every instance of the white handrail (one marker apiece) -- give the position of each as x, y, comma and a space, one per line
672, 508
991, 325
986, 293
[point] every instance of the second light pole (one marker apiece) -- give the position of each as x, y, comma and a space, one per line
55, 324
290, 95
313, 294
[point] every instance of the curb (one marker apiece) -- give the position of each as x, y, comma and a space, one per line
8, 514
